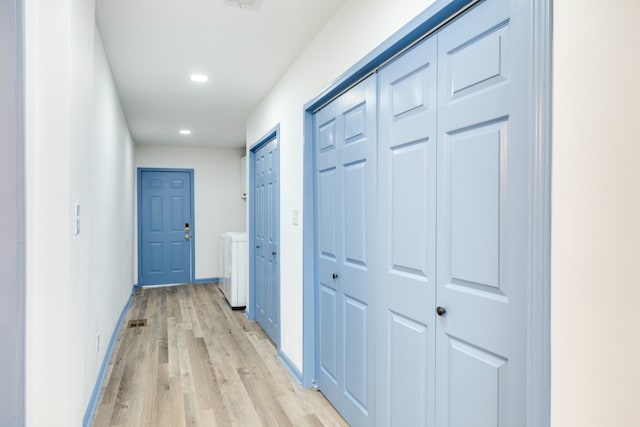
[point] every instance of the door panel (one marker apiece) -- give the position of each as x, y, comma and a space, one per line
476, 377
345, 136
406, 238
329, 337
330, 366
474, 158
484, 164
164, 211
267, 288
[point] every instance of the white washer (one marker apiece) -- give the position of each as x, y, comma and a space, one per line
234, 282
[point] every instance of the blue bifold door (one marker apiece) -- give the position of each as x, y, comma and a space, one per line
406, 238
423, 230
345, 132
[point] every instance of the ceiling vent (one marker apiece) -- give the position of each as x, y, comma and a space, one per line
249, 4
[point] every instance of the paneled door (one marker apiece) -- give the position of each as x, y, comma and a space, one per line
484, 226
406, 239
165, 221
345, 179
267, 286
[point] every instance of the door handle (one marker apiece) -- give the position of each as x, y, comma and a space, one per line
273, 253
187, 237
335, 276
441, 311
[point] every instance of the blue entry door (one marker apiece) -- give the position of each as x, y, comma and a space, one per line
406, 239
345, 179
267, 239
484, 226
166, 226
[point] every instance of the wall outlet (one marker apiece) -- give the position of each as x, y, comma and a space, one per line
295, 217
98, 342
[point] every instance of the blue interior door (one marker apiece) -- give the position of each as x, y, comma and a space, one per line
484, 226
266, 210
406, 239
165, 227
345, 138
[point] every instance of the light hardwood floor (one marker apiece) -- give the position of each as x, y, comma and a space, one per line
198, 363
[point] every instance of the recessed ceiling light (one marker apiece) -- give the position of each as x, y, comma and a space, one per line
199, 78
253, 4
185, 132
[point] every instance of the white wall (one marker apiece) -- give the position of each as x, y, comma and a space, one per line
217, 202
47, 205
356, 29
595, 318
78, 150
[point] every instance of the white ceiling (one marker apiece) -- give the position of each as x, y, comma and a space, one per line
154, 45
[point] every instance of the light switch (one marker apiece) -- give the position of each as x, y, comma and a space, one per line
295, 217
76, 210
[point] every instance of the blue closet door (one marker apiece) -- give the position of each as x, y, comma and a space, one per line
406, 239
267, 286
165, 227
345, 138
484, 225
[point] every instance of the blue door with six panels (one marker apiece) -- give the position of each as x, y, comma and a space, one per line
345, 132
406, 238
485, 164
165, 227
267, 239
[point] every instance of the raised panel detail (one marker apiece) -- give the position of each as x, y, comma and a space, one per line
479, 63
355, 217
474, 390
355, 332
270, 162
155, 223
475, 159
328, 332
407, 370
155, 184
271, 202
410, 92
355, 122
177, 256
327, 220
155, 257
177, 183
177, 213
409, 208
327, 135
271, 293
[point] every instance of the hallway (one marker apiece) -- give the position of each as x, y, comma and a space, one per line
198, 363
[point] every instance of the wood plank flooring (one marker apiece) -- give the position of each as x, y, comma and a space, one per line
198, 363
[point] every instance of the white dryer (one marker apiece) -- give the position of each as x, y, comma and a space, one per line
234, 283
